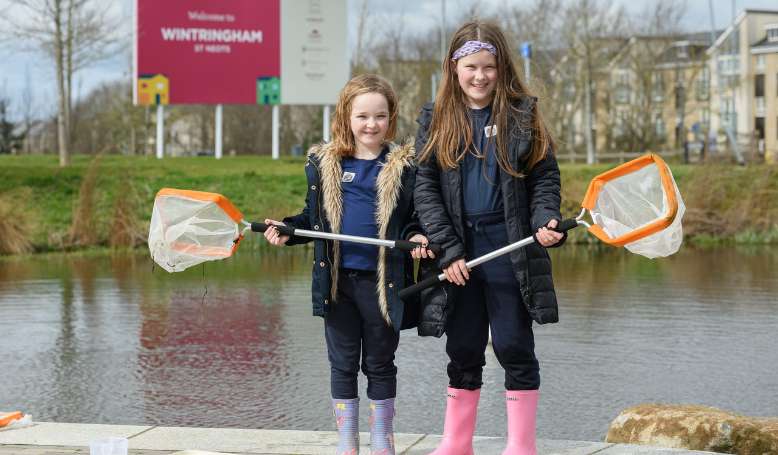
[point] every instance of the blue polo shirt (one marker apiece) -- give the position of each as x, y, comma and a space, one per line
358, 182
480, 170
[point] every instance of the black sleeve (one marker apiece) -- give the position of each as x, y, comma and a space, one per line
302, 220
433, 215
544, 186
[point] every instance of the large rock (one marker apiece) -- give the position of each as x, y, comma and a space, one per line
695, 428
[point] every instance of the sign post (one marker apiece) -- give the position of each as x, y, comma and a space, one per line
217, 135
526, 53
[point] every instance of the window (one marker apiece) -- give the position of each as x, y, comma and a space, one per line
728, 104
772, 33
659, 125
657, 87
728, 114
759, 85
703, 84
759, 127
682, 51
760, 59
729, 64
621, 92
680, 97
618, 127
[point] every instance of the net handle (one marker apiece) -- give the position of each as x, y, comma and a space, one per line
403, 245
564, 226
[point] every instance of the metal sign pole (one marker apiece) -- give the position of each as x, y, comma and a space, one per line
325, 124
275, 132
526, 53
218, 133
160, 131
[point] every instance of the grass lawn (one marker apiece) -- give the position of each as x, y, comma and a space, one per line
724, 202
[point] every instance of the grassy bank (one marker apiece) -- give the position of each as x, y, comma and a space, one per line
107, 201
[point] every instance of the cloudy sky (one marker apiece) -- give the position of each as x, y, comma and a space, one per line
17, 65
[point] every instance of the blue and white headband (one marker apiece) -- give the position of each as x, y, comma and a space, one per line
471, 47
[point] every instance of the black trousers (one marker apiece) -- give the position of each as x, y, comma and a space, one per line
354, 330
491, 298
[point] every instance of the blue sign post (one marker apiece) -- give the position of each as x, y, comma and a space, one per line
526, 49
526, 53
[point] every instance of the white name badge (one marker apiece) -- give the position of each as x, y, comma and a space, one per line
348, 177
490, 131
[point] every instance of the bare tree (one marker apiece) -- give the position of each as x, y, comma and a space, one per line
539, 23
361, 41
591, 30
650, 62
74, 34
27, 111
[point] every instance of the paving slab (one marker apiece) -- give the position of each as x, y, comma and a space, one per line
234, 440
563, 447
635, 449
61, 450
67, 434
48, 438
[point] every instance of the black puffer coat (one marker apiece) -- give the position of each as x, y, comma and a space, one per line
394, 218
529, 202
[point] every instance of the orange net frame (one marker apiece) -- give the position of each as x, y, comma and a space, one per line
637, 205
190, 227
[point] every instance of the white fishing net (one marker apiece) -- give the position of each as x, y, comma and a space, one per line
635, 200
185, 231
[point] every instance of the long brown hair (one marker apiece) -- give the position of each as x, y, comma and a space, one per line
342, 137
450, 126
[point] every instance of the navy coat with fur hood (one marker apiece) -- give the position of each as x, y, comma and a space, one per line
529, 203
394, 217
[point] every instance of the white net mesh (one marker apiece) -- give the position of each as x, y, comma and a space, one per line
186, 232
634, 200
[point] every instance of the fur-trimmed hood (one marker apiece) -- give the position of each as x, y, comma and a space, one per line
388, 189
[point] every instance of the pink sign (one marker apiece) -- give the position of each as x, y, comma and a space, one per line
208, 51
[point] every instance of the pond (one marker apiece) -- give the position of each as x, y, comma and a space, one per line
112, 339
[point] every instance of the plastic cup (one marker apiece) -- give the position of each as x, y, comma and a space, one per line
108, 446
119, 446
101, 447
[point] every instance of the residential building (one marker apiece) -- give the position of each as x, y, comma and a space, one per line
764, 58
740, 91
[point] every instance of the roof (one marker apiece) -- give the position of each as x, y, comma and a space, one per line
670, 56
764, 47
735, 24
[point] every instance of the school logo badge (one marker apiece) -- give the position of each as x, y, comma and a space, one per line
348, 177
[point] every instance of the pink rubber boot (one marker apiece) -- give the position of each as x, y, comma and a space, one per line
458, 429
522, 409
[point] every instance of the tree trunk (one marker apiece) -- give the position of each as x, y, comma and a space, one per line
69, 70
62, 136
590, 158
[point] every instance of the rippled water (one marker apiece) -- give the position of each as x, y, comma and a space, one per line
104, 339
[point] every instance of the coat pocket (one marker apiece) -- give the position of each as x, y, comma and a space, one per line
435, 304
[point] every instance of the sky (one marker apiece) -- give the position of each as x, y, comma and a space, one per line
18, 66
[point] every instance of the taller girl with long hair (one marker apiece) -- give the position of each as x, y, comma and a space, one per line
487, 177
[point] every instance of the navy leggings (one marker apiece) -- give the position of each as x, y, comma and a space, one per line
354, 328
490, 298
